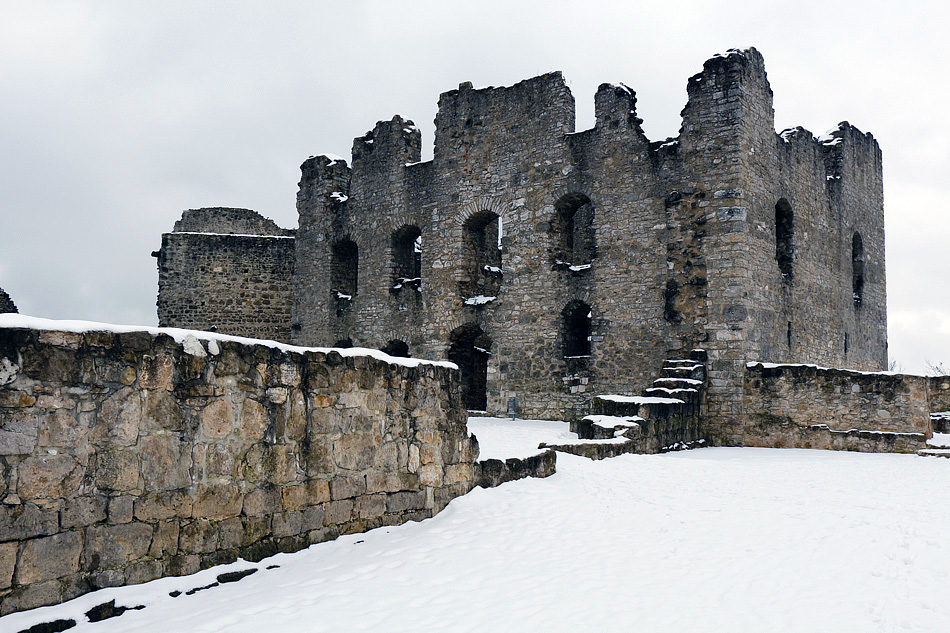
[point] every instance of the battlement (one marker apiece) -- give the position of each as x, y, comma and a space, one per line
6, 303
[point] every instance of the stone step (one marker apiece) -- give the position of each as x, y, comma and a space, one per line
696, 371
678, 383
686, 394
934, 452
604, 427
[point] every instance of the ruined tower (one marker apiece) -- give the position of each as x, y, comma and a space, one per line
552, 265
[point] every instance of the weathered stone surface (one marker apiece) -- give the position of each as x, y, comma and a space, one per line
166, 462
7, 564
216, 420
49, 557
83, 511
117, 469
49, 476
217, 501
116, 545
111, 484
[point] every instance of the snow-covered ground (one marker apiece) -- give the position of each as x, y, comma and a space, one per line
715, 539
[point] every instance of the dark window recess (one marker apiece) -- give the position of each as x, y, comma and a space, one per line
407, 258
344, 343
396, 348
574, 231
784, 234
857, 269
481, 251
469, 349
845, 343
577, 320
344, 269
788, 334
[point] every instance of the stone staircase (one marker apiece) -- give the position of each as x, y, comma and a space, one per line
939, 444
666, 417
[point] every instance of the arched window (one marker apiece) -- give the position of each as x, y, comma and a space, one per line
481, 237
407, 257
577, 320
857, 269
469, 348
344, 269
396, 348
784, 244
574, 230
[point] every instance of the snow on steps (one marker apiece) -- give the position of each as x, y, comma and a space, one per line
938, 445
665, 418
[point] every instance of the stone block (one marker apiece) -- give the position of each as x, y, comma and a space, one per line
61, 428
121, 509
7, 564
163, 505
371, 506
198, 537
217, 420
183, 565
83, 511
157, 371
26, 520
347, 487
49, 476
163, 411
143, 571
355, 451
119, 419
262, 502
49, 557
230, 534
116, 469
15, 443
166, 462
13, 398
38, 595
217, 501
403, 501
337, 512
107, 578
287, 524
116, 545
254, 421
164, 539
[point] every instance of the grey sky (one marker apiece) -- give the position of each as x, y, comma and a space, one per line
116, 116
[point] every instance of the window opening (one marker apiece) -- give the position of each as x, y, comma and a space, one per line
469, 348
845, 343
481, 275
344, 269
857, 269
788, 334
784, 232
344, 343
577, 318
574, 226
407, 257
396, 348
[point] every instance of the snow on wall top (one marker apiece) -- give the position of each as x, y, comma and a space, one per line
191, 339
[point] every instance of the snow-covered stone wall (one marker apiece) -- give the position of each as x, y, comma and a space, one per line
805, 406
126, 456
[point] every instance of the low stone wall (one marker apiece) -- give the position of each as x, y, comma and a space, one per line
494, 472
804, 406
939, 393
130, 456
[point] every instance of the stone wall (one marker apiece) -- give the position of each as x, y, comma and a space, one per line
804, 406
939, 393
229, 271
6, 303
129, 456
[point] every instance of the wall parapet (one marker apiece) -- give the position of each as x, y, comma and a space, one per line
130, 455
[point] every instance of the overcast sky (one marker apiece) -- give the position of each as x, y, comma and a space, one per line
116, 116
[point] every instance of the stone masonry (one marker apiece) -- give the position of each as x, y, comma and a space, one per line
6, 303
553, 265
227, 270
126, 457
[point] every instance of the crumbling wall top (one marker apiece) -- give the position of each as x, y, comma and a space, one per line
6, 303
224, 220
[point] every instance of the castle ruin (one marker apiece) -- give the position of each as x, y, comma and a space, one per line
554, 265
